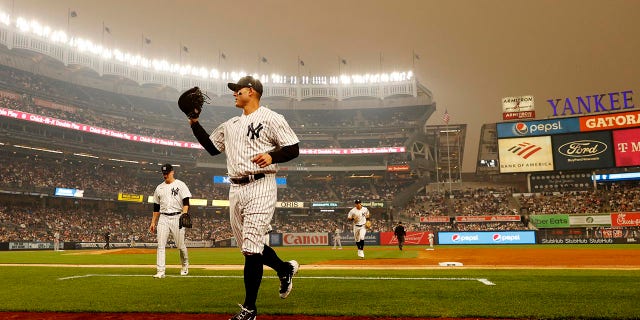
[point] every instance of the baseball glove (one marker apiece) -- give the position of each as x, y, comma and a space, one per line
191, 101
367, 224
185, 221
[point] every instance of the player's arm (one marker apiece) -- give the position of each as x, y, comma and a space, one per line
285, 153
203, 137
154, 219
185, 205
281, 155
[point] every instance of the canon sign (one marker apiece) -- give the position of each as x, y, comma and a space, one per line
305, 239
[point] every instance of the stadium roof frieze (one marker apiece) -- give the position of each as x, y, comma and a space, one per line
73, 58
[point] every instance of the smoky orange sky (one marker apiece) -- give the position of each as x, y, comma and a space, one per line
472, 52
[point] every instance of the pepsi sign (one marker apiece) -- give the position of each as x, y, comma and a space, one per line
487, 237
537, 128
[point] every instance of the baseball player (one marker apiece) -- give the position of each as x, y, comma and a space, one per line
400, 233
359, 216
337, 239
254, 142
56, 241
170, 200
431, 236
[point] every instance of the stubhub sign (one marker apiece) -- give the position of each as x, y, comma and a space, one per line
487, 237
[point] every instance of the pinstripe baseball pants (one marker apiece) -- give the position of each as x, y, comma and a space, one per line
166, 225
251, 208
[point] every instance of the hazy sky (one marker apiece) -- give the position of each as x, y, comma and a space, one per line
472, 52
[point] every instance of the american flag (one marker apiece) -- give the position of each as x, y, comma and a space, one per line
446, 117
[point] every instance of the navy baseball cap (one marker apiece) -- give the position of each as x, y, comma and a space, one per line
166, 168
246, 82
357, 201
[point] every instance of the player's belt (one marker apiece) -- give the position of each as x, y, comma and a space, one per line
170, 213
360, 225
247, 179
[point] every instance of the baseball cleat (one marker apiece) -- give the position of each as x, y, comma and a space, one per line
184, 271
245, 314
159, 275
361, 254
286, 280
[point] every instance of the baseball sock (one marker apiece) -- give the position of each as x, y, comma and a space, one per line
252, 278
271, 259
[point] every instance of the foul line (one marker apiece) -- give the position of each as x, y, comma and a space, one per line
481, 280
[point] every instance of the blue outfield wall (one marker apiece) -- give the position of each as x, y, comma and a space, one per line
487, 237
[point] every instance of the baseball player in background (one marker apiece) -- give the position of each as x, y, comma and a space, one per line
170, 200
359, 216
337, 239
254, 142
431, 236
56, 241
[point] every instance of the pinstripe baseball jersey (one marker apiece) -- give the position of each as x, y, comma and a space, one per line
245, 136
359, 216
169, 196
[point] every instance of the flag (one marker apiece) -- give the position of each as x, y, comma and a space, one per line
107, 29
264, 60
223, 56
344, 61
147, 40
73, 14
185, 49
302, 63
446, 117
415, 55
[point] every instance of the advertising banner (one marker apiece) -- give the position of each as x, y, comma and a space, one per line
369, 204
397, 167
324, 204
518, 108
610, 121
346, 238
305, 239
32, 245
550, 220
626, 146
590, 220
487, 237
599, 235
438, 219
525, 154
625, 219
582, 151
219, 203
197, 202
487, 218
275, 239
537, 128
289, 204
130, 197
378, 150
412, 237
66, 192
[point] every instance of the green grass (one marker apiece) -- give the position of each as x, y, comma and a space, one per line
531, 293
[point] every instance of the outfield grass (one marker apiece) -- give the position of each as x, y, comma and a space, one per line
531, 293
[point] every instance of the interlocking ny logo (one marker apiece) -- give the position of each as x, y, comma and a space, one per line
524, 149
255, 132
174, 191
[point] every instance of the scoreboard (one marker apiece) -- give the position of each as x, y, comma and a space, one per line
588, 142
